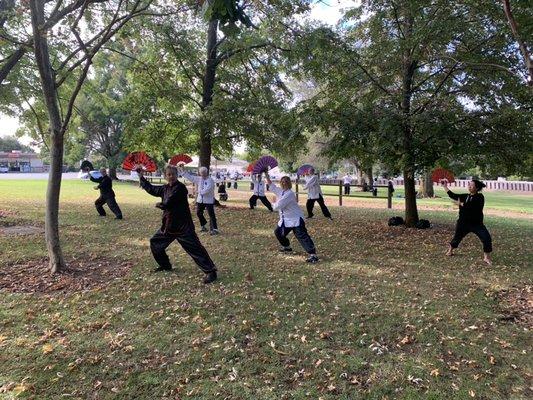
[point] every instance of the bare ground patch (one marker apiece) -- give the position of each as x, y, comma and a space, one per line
517, 305
81, 275
17, 230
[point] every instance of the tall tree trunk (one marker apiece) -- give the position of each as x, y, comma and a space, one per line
207, 93
369, 176
522, 45
426, 185
409, 68
42, 57
113, 173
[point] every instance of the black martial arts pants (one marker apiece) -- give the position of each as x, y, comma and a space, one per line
111, 203
311, 204
200, 207
346, 189
264, 200
190, 243
301, 234
462, 229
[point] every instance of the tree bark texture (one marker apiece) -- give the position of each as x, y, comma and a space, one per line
409, 68
207, 93
426, 185
42, 57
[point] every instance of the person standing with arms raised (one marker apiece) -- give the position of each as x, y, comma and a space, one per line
314, 193
205, 199
470, 217
177, 225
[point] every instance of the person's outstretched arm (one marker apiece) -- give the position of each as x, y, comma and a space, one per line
190, 177
156, 191
95, 180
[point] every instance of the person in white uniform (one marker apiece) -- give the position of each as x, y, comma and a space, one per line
290, 218
205, 198
314, 194
347, 182
259, 192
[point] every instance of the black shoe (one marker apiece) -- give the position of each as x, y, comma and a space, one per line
286, 249
159, 269
309, 217
210, 277
203, 229
330, 218
119, 217
313, 259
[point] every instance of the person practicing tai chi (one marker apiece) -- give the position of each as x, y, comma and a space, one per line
177, 224
107, 195
347, 179
259, 193
314, 193
470, 217
205, 198
290, 218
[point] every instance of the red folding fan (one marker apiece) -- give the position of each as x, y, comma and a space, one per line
264, 164
139, 159
304, 169
440, 174
180, 159
250, 167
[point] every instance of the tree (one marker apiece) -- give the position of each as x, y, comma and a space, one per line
215, 95
62, 58
413, 83
9, 143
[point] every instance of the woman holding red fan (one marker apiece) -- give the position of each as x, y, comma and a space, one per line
470, 217
177, 224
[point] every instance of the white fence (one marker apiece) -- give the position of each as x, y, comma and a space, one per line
517, 186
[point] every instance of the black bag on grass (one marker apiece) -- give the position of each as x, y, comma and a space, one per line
423, 224
396, 221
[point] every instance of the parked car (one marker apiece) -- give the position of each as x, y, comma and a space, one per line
4, 169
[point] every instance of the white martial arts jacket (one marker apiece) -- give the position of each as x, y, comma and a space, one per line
313, 187
347, 180
290, 213
259, 186
205, 187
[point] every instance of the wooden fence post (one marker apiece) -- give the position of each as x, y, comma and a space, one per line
389, 198
340, 193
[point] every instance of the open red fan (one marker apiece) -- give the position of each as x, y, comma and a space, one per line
180, 159
139, 159
304, 169
250, 167
264, 164
440, 174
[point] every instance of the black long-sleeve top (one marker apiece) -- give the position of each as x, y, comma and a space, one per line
105, 184
176, 212
471, 212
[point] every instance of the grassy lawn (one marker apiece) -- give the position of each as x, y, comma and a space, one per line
384, 315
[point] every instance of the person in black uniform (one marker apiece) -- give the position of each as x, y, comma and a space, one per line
470, 218
107, 195
177, 225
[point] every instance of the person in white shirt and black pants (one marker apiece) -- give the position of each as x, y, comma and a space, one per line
259, 192
314, 193
347, 183
205, 199
291, 219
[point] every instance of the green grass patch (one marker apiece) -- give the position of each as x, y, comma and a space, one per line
383, 315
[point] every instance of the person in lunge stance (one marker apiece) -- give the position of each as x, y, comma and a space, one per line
259, 192
314, 193
107, 195
177, 225
291, 218
470, 217
205, 198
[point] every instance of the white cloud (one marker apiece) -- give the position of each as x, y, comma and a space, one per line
8, 125
330, 11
